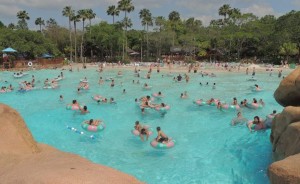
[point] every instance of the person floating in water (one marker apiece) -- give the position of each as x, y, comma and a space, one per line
161, 136
142, 130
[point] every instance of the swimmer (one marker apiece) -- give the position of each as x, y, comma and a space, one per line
112, 101
184, 95
238, 119
61, 98
161, 136
124, 91
261, 102
214, 86
234, 102
142, 130
84, 110
256, 124
94, 122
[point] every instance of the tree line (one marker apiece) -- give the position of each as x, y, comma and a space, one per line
232, 37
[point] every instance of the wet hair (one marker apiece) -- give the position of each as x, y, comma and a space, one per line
274, 111
74, 101
148, 97
234, 98
158, 128
159, 93
137, 122
163, 104
85, 108
254, 100
91, 121
256, 117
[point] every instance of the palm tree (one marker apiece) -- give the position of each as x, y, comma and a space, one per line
113, 11
75, 18
159, 21
146, 17
83, 15
39, 21
68, 12
90, 15
224, 10
51, 22
23, 16
125, 6
174, 18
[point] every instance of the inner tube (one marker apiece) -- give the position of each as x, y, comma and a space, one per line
159, 145
29, 63
199, 102
84, 80
73, 107
156, 95
163, 109
92, 128
254, 106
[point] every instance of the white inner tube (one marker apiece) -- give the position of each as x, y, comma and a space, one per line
29, 63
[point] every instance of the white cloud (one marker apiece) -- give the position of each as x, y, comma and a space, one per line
259, 10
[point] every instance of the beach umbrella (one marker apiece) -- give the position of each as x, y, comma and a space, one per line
9, 50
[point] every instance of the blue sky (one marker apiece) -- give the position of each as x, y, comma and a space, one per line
204, 10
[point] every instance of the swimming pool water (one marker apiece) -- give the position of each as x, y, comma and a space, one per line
208, 149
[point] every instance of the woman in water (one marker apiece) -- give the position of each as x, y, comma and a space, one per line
256, 124
234, 102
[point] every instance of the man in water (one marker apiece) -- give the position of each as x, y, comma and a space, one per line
161, 136
179, 77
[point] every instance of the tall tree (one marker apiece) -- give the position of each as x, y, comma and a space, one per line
39, 21
68, 12
174, 16
146, 17
83, 16
23, 16
160, 21
90, 15
75, 19
113, 11
126, 6
224, 10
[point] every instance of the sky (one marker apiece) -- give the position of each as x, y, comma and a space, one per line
204, 10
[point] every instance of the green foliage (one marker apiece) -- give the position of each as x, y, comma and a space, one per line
30, 44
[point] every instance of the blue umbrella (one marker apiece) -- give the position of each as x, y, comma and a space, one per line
9, 50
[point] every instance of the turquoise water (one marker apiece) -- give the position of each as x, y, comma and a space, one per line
208, 149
